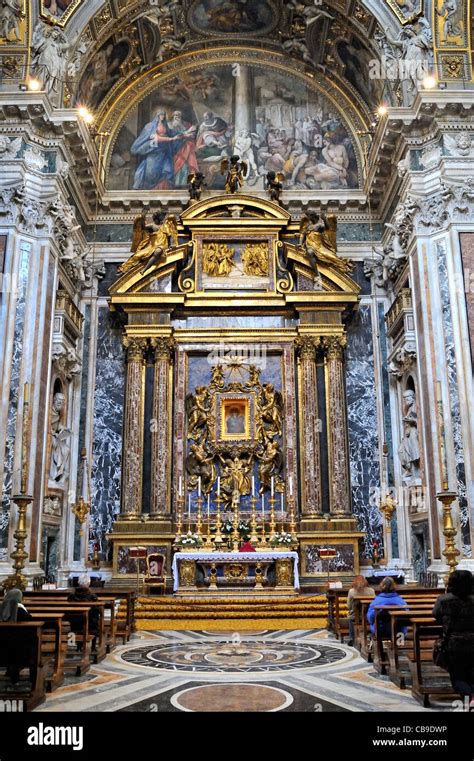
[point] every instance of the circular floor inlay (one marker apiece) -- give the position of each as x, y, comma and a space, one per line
236, 655
232, 697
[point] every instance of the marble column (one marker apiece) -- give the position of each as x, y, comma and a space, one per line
310, 427
161, 444
132, 469
339, 491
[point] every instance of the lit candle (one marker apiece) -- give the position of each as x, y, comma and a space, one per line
199, 486
281, 504
208, 507
272, 486
263, 508
180, 487
189, 508
253, 486
24, 437
442, 437
290, 484
218, 486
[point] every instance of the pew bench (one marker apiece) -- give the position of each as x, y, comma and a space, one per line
427, 678
22, 643
54, 646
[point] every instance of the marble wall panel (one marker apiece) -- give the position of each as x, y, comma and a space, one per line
109, 233
107, 431
362, 426
454, 398
15, 364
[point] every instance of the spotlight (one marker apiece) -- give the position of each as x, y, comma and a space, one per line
382, 110
429, 82
84, 113
33, 84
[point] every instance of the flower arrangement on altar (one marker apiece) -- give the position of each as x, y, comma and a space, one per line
188, 540
227, 527
281, 539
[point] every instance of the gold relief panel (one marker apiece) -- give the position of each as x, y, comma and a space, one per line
451, 23
58, 12
454, 66
225, 262
406, 11
13, 23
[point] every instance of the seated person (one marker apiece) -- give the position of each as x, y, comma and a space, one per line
387, 596
82, 593
360, 588
13, 610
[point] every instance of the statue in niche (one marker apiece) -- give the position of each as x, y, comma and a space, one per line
270, 466
236, 172
49, 47
409, 449
200, 464
318, 241
60, 448
197, 409
235, 475
151, 242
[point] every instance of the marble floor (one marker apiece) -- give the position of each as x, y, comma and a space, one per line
264, 671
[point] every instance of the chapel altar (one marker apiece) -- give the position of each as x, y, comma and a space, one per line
235, 422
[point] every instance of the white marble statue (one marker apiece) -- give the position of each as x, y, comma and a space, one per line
9, 147
60, 447
409, 449
49, 46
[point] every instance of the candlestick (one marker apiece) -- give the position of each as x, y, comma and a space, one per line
264, 538
253, 521
179, 517
442, 438
24, 439
218, 535
272, 502
189, 513
294, 538
199, 515
218, 486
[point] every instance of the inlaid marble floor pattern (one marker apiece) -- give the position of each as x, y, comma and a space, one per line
290, 671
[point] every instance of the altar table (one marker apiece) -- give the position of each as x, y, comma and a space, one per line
225, 570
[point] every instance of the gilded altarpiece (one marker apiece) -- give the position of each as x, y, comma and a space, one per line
237, 322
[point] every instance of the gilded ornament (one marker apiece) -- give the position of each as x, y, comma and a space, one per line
318, 241
218, 259
151, 243
255, 259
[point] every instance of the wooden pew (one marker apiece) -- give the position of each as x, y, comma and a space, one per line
27, 635
54, 643
427, 679
79, 656
338, 623
109, 624
399, 648
381, 644
413, 596
98, 651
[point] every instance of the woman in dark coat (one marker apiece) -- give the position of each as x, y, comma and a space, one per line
455, 611
12, 610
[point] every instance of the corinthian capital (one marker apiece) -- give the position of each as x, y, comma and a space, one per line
306, 346
334, 346
135, 348
163, 348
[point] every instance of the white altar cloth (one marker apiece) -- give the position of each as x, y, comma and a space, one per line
236, 556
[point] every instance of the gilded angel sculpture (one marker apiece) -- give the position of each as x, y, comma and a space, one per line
236, 173
318, 240
151, 242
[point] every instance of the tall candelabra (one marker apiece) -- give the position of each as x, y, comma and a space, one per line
450, 551
235, 523
179, 517
253, 520
218, 536
272, 502
292, 517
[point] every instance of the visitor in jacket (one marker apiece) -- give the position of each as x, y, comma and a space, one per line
455, 611
82, 593
359, 588
388, 595
12, 610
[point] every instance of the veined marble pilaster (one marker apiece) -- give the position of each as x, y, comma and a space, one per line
133, 428
310, 426
161, 431
340, 503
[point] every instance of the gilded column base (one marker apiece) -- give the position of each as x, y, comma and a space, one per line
129, 517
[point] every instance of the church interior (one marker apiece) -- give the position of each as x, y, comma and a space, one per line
236, 353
